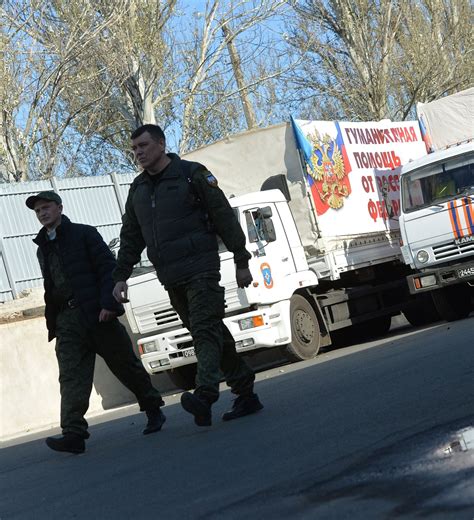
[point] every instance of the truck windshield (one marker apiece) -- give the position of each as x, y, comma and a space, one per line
438, 183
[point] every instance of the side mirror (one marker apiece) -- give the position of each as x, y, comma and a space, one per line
113, 245
265, 224
265, 212
387, 201
268, 230
114, 242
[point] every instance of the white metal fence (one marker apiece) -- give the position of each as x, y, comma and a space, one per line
98, 201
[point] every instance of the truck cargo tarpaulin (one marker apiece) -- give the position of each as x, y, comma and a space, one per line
447, 121
352, 169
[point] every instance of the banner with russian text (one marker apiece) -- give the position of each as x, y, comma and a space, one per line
353, 170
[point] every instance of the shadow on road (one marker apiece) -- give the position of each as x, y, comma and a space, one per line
331, 428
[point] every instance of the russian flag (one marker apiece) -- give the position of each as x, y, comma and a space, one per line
309, 155
302, 143
425, 135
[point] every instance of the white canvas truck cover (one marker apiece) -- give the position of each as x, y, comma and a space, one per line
336, 197
448, 121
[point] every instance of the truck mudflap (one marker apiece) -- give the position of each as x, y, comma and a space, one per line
441, 277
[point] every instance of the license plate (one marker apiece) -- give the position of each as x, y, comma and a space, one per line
189, 352
463, 273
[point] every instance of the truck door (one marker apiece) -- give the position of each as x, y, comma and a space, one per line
272, 259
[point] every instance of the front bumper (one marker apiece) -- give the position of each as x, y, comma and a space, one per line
437, 278
175, 348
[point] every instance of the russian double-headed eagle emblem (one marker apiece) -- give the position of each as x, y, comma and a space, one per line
328, 170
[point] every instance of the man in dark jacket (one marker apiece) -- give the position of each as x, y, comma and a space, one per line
82, 315
176, 210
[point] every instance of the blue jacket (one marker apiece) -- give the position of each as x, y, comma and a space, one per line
87, 263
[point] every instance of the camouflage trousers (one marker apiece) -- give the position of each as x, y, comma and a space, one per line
76, 349
200, 305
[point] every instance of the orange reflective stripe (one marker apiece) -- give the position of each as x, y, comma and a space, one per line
453, 217
469, 214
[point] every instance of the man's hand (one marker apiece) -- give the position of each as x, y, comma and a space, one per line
120, 292
106, 315
244, 277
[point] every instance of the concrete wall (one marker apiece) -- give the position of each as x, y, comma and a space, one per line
29, 380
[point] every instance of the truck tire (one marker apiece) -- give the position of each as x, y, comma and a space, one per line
453, 302
421, 311
305, 330
184, 377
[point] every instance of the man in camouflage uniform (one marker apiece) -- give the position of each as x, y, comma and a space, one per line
176, 210
82, 315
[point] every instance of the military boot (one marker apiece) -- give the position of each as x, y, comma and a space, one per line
70, 442
156, 419
199, 406
243, 405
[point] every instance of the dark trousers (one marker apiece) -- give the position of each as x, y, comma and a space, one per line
76, 348
200, 305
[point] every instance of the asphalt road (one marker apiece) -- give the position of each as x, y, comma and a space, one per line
366, 432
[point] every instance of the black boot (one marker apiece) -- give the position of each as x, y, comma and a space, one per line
70, 442
243, 405
198, 406
156, 419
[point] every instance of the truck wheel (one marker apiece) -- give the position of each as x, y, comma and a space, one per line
305, 331
453, 302
184, 377
421, 311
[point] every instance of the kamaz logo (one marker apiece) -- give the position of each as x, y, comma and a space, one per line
464, 240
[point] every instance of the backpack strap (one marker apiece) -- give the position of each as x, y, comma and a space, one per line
189, 168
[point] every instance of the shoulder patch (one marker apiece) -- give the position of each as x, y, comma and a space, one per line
211, 180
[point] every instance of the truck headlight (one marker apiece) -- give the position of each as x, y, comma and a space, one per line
422, 256
250, 323
149, 346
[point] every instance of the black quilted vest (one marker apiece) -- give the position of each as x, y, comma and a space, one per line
180, 241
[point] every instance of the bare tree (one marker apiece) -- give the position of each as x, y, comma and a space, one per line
78, 75
366, 59
226, 67
124, 76
436, 49
39, 65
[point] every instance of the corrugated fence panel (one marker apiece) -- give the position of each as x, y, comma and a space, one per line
96, 201
93, 200
16, 218
5, 289
124, 182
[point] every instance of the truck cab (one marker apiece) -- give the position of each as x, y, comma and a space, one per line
437, 227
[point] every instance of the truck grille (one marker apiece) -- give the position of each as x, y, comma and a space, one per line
162, 316
156, 318
452, 250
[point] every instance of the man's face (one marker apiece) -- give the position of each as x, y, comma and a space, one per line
48, 213
148, 152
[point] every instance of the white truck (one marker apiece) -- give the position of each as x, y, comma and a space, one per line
325, 254
437, 217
